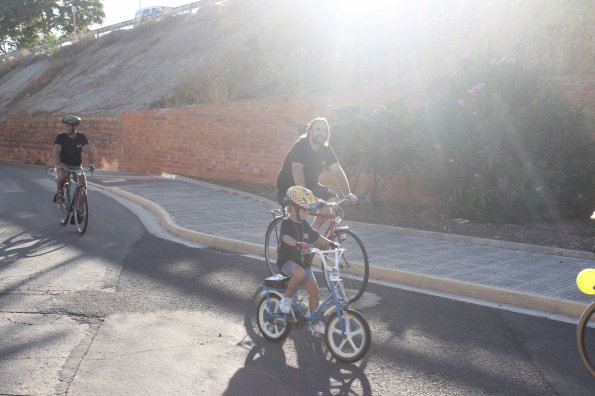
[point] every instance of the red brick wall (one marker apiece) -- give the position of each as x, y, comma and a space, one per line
241, 140
236, 141
579, 89
31, 139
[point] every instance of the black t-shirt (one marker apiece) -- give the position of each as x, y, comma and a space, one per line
313, 161
301, 232
72, 149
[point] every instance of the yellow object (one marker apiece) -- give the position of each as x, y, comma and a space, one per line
585, 280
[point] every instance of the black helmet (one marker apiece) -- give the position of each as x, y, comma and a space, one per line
71, 120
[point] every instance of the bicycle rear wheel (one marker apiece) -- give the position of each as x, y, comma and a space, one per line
354, 266
272, 329
585, 338
271, 243
81, 210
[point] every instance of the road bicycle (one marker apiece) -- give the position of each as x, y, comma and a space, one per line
347, 333
354, 264
585, 331
74, 206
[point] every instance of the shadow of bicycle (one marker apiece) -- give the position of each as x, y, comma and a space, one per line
312, 370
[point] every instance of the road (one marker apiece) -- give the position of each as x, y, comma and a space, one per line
120, 310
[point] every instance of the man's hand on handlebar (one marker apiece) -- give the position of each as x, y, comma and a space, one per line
352, 198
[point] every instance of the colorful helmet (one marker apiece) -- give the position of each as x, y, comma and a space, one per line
71, 120
302, 197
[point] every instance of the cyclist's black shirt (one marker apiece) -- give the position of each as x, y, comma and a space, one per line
313, 161
301, 232
71, 153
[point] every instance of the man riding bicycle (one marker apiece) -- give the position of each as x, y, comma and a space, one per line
68, 148
304, 162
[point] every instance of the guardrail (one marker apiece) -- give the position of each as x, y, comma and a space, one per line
41, 49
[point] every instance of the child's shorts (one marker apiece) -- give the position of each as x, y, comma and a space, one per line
290, 266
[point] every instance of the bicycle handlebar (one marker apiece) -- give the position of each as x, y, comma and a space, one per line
338, 251
322, 203
79, 172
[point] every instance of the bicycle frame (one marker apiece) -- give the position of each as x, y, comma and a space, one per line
72, 180
332, 300
335, 221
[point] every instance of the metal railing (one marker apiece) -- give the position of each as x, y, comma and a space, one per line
42, 49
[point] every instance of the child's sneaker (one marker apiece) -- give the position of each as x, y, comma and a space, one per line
317, 327
285, 305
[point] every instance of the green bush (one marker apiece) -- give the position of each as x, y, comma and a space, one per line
492, 143
377, 143
502, 147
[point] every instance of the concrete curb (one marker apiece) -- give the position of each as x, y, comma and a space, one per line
481, 292
172, 227
446, 285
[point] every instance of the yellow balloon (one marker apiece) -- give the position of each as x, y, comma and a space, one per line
585, 280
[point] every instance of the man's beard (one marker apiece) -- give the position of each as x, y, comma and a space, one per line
319, 140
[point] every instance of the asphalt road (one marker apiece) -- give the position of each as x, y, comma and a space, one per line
122, 311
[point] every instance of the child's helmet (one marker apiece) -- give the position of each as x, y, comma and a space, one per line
302, 197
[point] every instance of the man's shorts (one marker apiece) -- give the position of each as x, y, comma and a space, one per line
319, 191
290, 266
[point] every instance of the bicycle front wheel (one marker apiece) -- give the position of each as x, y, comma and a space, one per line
63, 210
81, 210
585, 338
354, 266
351, 344
271, 243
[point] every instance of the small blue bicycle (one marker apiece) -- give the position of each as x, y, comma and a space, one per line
347, 333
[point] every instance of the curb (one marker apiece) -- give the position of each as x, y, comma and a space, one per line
172, 227
445, 285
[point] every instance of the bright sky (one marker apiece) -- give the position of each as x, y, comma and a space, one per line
123, 10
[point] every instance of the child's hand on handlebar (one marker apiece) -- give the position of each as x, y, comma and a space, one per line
302, 247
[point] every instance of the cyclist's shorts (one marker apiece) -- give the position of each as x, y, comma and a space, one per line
319, 191
290, 266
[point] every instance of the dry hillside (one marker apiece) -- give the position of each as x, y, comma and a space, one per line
240, 49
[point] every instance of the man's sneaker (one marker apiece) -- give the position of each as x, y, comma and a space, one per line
317, 327
285, 305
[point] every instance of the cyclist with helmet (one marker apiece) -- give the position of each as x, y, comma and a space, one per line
304, 162
296, 236
68, 148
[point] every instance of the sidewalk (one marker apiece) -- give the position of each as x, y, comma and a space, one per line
528, 276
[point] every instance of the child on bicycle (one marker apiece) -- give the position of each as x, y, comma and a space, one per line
296, 235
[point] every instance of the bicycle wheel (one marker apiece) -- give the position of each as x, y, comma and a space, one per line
81, 210
272, 329
585, 338
354, 344
63, 210
271, 243
354, 266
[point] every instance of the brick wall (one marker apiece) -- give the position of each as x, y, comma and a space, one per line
237, 141
241, 140
579, 90
30, 140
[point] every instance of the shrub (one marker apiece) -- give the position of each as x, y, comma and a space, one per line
377, 143
501, 146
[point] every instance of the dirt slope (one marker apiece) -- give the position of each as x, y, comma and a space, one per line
240, 49
121, 71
